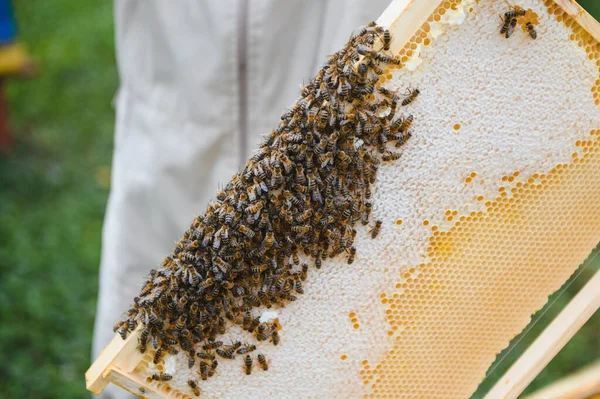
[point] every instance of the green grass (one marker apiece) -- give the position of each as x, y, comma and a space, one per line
52, 198
51, 204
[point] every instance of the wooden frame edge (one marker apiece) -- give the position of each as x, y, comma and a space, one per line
583, 18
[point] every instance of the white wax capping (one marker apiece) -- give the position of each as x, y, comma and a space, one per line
268, 316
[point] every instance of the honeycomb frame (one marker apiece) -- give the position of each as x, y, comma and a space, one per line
413, 26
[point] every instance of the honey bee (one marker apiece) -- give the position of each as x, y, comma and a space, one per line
157, 356
246, 349
144, 335
511, 28
298, 287
194, 387
275, 337
304, 271
506, 22
352, 255
208, 282
212, 345
191, 361
403, 139
390, 156
228, 353
255, 207
366, 51
248, 365
213, 368
262, 361
304, 215
302, 229
180, 325
204, 370
388, 60
162, 377
531, 30
375, 230
410, 96
277, 178
387, 40
205, 355
514, 12
263, 332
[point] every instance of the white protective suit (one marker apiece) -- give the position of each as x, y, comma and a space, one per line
201, 81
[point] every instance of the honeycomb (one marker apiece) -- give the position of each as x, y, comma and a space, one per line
491, 208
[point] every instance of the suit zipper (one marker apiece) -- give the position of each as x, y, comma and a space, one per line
243, 79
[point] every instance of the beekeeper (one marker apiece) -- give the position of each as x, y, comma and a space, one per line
201, 81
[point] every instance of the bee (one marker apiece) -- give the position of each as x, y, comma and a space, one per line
375, 230
264, 219
277, 178
191, 361
263, 362
143, 340
403, 139
162, 377
344, 158
287, 164
158, 356
302, 229
246, 349
263, 332
362, 73
390, 156
204, 370
366, 51
514, 12
180, 325
352, 255
531, 30
226, 353
505, 25
387, 40
275, 337
194, 387
304, 215
255, 207
248, 365
304, 271
411, 95
205, 355
247, 321
511, 28
212, 345
298, 287
388, 60
213, 368
326, 159
208, 282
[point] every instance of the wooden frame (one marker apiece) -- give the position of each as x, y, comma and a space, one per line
119, 360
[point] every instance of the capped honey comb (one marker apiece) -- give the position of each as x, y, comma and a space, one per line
490, 209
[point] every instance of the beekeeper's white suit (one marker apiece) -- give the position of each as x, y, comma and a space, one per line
201, 80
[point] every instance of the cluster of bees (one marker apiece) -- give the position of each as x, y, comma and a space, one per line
509, 22
294, 204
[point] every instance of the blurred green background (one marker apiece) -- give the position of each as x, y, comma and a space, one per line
53, 189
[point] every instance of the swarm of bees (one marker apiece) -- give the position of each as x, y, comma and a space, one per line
295, 203
512, 16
